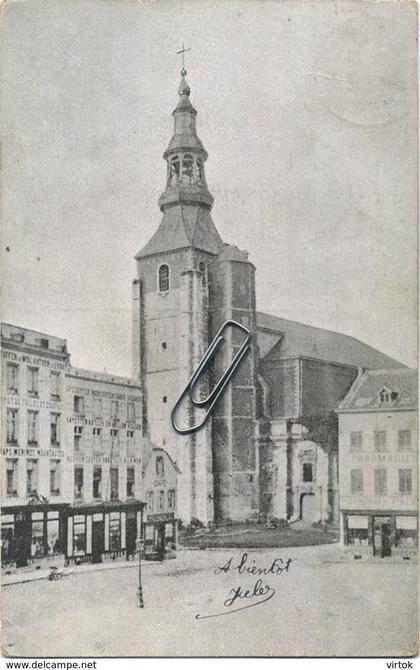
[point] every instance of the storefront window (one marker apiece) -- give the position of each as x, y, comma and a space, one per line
37, 542
79, 535
357, 530
114, 531
53, 537
406, 531
7, 538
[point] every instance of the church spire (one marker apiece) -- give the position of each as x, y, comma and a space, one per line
185, 156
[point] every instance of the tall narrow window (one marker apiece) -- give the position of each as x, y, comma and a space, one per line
31, 476
405, 482
97, 482
131, 412
355, 440
78, 437
171, 499
164, 278
380, 440
187, 169
11, 476
12, 378
307, 472
161, 501
55, 385
97, 408
174, 171
150, 500
131, 445
356, 481
130, 482
55, 429
203, 271
380, 482
33, 378
159, 466
114, 409
114, 483
55, 478
78, 482
32, 427
404, 440
79, 404
12, 426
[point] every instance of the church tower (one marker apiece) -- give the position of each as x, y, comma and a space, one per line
186, 286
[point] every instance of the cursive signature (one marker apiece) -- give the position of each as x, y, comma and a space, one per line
261, 591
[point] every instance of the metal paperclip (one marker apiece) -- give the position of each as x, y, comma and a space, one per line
215, 394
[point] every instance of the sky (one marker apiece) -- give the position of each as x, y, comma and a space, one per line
308, 113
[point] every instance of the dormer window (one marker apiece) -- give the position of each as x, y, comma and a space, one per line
386, 397
164, 278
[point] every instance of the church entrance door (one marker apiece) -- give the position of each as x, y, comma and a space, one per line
307, 508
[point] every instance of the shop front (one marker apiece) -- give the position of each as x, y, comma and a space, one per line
160, 534
103, 532
381, 534
33, 536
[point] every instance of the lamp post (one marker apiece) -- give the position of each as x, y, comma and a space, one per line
140, 550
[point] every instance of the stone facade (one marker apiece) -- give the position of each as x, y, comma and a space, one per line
255, 454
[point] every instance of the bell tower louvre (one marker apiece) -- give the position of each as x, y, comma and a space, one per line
188, 283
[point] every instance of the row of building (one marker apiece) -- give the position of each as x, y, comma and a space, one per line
91, 460
80, 478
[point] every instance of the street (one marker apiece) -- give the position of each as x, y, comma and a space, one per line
313, 606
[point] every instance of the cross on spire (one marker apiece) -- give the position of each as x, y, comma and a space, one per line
183, 51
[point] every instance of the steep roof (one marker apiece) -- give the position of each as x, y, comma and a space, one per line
365, 392
184, 226
298, 339
154, 450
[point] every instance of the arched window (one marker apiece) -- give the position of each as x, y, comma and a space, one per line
164, 278
159, 466
174, 171
199, 170
187, 169
203, 270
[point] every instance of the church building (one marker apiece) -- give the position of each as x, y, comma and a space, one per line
270, 446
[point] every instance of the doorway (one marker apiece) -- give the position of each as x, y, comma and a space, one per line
160, 541
307, 508
382, 536
131, 535
97, 541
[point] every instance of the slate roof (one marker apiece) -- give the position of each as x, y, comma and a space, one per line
365, 392
296, 339
184, 226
